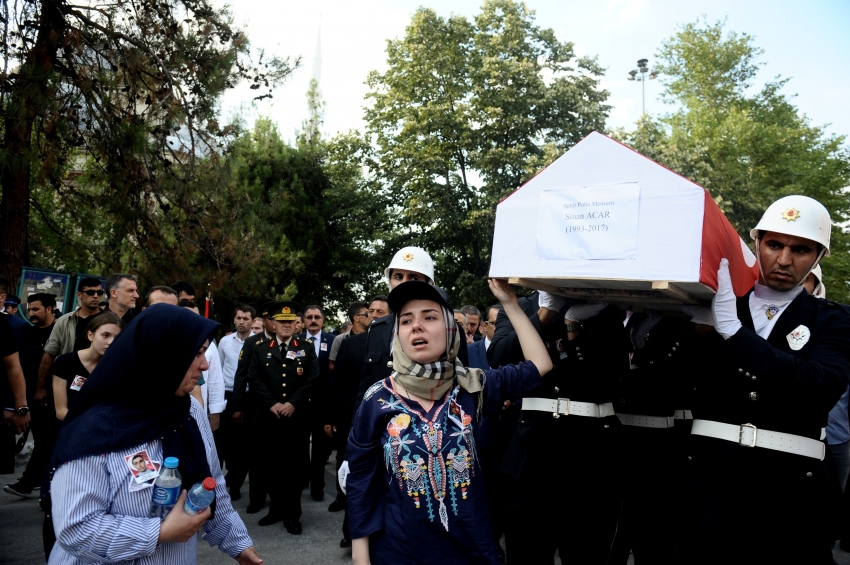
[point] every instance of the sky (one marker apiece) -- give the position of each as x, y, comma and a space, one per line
807, 42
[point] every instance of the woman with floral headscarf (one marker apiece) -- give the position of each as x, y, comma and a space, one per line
415, 491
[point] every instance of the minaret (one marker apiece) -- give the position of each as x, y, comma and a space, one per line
314, 93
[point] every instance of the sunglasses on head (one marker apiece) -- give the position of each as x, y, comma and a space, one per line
91, 292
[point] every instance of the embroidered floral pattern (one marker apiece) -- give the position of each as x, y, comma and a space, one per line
429, 457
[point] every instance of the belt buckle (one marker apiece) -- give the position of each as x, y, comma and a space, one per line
741, 435
557, 413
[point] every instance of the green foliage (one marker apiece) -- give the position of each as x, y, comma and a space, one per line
746, 149
122, 96
465, 113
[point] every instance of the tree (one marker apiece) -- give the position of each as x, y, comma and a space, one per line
126, 92
746, 149
314, 228
465, 113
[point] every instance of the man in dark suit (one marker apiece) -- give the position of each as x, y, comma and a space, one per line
247, 415
282, 374
314, 318
478, 350
339, 411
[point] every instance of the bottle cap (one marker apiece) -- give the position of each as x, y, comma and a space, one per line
171, 462
209, 483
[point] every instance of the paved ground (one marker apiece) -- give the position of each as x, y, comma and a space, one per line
20, 533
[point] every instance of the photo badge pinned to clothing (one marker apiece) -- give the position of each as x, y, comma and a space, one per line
78, 382
291, 354
134, 486
457, 414
300, 371
141, 466
799, 337
323, 347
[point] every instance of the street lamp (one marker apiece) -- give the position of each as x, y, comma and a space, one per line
639, 74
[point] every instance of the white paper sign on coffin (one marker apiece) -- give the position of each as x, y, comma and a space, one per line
588, 222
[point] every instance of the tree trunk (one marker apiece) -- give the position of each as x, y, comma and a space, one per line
29, 95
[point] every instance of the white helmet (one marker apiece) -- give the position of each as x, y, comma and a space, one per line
799, 216
413, 259
820, 289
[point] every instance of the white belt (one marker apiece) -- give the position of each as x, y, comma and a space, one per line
748, 435
684, 415
567, 407
646, 421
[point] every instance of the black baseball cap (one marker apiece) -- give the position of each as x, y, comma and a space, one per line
417, 290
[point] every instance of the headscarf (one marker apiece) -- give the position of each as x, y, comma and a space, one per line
433, 380
129, 398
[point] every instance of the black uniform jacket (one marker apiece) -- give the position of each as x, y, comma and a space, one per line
345, 381
242, 399
587, 369
767, 383
378, 364
284, 376
663, 370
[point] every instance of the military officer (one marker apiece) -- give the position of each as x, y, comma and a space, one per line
248, 415
282, 374
761, 491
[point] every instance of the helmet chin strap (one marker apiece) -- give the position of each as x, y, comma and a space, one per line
801, 281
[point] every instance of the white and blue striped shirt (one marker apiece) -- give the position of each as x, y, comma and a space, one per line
97, 519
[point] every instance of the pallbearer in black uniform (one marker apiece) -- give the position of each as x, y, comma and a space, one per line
565, 453
761, 489
282, 374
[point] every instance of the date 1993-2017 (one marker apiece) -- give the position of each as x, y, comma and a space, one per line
587, 228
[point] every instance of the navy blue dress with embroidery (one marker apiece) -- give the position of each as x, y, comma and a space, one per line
415, 485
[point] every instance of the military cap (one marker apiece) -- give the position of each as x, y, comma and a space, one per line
267, 310
286, 311
11, 300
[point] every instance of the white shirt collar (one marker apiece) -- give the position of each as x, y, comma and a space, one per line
766, 305
486, 343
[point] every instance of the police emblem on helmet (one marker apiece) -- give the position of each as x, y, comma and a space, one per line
790, 215
408, 257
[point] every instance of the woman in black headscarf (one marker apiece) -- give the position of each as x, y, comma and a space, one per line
137, 402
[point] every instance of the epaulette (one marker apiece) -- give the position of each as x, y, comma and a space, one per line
259, 341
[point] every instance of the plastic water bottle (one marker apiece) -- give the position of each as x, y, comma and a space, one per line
166, 489
200, 496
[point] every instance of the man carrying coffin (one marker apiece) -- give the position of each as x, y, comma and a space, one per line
761, 491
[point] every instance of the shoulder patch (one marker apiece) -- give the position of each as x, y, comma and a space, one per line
373, 389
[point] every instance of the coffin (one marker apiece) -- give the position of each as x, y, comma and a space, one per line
603, 222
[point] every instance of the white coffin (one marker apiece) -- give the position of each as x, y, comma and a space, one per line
571, 230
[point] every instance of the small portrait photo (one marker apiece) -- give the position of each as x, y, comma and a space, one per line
141, 466
78, 382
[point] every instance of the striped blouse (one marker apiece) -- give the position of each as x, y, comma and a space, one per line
98, 520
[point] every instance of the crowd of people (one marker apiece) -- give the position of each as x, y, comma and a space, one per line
536, 426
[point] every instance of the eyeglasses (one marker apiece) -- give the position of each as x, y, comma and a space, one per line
93, 292
360, 315
312, 317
